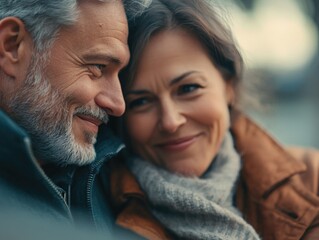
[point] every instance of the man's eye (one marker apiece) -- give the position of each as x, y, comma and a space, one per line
136, 103
97, 69
188, 88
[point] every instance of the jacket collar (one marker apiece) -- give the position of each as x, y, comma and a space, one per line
107, 146
13, 137
15, 145
123, 184
265, 163
131, 205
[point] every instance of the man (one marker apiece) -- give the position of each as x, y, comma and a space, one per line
59, 65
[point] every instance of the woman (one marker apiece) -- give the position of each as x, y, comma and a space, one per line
197, 167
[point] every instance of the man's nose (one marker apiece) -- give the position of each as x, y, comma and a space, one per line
110, 98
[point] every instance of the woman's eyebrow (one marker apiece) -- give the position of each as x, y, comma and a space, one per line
181, 77
137, 92
172, 82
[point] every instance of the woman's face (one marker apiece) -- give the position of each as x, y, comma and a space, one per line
177, 112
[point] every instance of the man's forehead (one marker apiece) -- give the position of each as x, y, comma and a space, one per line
106, 13
100, 30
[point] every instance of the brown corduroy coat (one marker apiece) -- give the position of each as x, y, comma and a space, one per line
277, 191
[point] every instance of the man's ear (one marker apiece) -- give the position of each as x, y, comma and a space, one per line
14, 46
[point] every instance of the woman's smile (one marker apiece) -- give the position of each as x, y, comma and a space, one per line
178, 144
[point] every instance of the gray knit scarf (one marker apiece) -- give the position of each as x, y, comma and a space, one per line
196, 208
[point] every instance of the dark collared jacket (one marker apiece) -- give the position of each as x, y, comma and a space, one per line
277, 191
25, 186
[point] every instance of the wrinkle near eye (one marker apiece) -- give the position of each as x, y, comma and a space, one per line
96, 70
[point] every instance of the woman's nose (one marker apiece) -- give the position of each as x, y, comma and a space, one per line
171, 118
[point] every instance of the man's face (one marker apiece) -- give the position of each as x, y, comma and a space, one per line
63, 102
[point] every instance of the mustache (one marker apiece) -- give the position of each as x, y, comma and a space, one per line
94, 112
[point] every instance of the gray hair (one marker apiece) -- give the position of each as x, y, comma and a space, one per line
134, 8
44, 18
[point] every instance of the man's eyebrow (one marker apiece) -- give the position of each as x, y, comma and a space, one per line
102, 57
181, 77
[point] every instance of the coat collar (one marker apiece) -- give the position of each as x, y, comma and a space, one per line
123, 184
131, 204
265, 162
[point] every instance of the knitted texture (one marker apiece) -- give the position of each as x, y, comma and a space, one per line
196, 208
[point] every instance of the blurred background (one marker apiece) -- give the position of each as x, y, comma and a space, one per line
279, 43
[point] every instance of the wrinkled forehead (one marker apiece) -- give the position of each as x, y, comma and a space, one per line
106, 14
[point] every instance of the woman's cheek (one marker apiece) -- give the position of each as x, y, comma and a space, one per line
138, 129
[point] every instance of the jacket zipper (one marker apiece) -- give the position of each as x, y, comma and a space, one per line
48, 180
91, 178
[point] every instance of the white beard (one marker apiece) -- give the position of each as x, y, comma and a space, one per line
47, 117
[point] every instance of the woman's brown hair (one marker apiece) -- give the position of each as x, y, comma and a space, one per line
196, 16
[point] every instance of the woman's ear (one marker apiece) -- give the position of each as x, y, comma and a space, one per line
230, 93
15, 48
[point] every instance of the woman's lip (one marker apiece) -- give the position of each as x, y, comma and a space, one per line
178, 144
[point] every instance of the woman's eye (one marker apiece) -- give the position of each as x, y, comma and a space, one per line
136, 103
187, 88
97, 69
